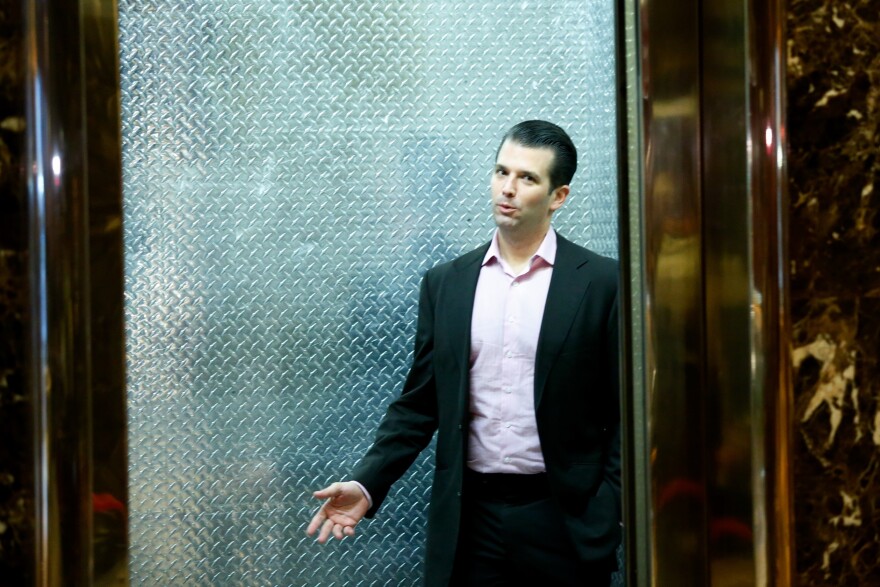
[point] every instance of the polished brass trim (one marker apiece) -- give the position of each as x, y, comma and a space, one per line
671, 208
108, 386
773, 397
717, 391
59, 366
732, 422
636, 477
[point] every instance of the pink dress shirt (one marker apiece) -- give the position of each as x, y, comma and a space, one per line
508, 310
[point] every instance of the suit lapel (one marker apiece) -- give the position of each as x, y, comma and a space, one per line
460, 291
569, 283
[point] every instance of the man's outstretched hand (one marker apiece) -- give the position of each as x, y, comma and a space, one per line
344, 507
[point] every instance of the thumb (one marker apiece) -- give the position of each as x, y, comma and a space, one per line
332, 490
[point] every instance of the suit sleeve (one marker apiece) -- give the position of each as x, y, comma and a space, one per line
598, 534
411, 419
612, 461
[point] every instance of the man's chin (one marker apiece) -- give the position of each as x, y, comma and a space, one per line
502, 221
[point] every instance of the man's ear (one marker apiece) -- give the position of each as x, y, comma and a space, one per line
557, 198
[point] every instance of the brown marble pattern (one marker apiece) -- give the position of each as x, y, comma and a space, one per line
16, 454
834, 169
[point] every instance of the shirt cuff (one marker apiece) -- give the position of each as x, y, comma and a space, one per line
366, 493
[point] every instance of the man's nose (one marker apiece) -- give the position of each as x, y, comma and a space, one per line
508, 188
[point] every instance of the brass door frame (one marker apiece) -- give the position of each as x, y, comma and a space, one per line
59, 358
670, 65
709, 392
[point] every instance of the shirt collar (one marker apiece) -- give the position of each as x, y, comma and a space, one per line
546, 251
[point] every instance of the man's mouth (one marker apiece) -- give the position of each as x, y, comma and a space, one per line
505, 208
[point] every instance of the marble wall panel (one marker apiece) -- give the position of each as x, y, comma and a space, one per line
16, 455
834, 168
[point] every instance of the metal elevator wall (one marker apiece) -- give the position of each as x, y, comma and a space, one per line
290, 169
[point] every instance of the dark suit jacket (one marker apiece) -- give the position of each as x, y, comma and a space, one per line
576, 401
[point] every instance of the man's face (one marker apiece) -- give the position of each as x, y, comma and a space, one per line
522, 201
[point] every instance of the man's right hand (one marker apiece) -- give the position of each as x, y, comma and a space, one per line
344, 507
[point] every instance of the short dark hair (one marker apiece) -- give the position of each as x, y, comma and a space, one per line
546, 135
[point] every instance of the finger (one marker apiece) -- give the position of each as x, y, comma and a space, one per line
325, 531
317, 520
337, 531
348, 530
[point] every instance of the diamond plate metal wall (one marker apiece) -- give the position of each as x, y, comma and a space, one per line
291, 168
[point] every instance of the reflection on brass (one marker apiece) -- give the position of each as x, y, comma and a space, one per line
109, 449
673, 284
713, 232
772, 387
58, 255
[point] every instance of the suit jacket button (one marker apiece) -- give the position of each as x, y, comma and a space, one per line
459, 427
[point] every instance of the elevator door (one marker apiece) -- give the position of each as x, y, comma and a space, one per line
291, 168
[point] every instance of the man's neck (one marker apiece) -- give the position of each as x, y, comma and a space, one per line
517, 251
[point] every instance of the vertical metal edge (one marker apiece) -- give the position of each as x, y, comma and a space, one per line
734, 422
59, 365
783, 536
757, 336
772, 389
636, 478
672, 291
101, 83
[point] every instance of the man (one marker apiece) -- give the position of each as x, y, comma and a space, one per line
515, 367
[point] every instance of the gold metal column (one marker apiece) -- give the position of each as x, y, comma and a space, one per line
58, 249
772, 390
708, 485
